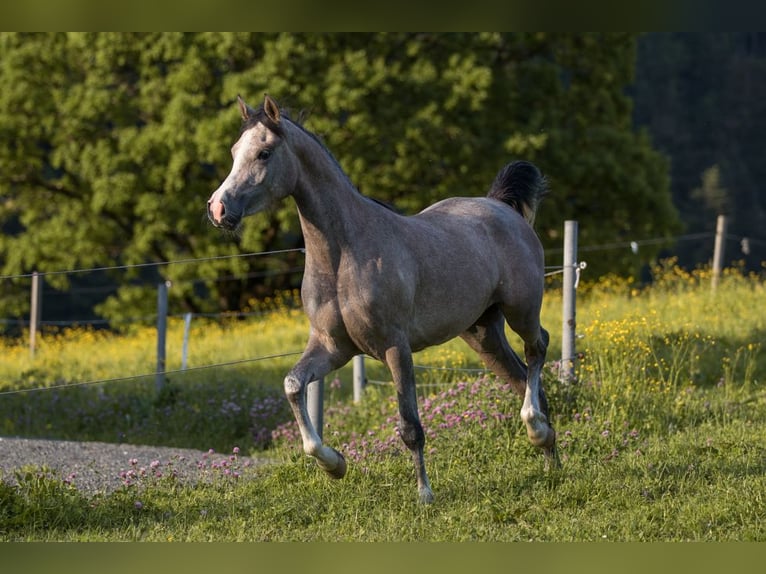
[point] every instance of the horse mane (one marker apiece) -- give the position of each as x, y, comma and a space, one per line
260, 116
520, 185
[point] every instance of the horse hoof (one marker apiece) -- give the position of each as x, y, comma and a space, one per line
544, 438
425, 496
539, 430
552, 461
339, 470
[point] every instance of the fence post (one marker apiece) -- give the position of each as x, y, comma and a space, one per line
185, 347
35, 311
360, 380
720, 236
314, 400
162, 327
568, 323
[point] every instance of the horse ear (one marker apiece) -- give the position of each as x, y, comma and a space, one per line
246, 111
271, 108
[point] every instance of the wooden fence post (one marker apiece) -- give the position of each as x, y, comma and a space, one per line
314, 401
162, 327
569, 322
360, 380
720, 238
35, 311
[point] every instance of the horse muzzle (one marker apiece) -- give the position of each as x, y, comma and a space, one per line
219, 216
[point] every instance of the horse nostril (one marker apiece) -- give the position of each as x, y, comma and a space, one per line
216, 210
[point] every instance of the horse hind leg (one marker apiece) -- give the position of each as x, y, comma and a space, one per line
487, 338
535, 411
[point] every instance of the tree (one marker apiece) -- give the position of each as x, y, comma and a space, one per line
416, 118
700, 95
115, 141
114, 147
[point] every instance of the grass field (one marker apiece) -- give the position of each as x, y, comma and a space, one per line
662, 435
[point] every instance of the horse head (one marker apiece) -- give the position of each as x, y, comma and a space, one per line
263, 167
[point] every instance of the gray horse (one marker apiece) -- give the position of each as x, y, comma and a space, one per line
380, 283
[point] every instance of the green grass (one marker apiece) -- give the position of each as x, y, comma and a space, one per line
662, 436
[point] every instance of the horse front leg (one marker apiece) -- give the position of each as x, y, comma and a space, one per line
314, 364
399, 362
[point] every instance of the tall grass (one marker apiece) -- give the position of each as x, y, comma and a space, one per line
661, 435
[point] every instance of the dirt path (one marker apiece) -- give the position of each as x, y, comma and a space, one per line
96, 466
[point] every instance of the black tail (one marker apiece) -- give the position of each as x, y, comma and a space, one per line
521, 185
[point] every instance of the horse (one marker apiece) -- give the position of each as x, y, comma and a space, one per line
385, 284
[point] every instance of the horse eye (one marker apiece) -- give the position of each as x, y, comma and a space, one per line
264, 154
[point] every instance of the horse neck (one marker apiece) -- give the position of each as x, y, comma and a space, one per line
329, 207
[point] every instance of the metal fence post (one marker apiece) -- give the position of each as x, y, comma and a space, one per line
314, 401
569, 323
360, 379
720, 236
35, 311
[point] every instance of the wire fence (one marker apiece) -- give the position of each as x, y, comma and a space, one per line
184, 369
745, 244
147, 375
632, 244
151, 375
578, 266
153, 263
47, 293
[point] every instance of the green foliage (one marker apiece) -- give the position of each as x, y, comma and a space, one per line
699, 95
39, 500
113, 142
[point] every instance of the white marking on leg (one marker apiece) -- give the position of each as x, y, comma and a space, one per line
538, 428
330, 460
